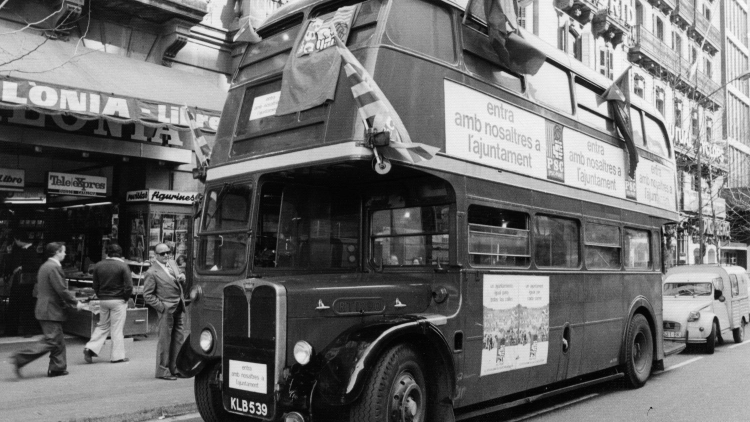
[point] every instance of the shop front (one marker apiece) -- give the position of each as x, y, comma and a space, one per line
81, 145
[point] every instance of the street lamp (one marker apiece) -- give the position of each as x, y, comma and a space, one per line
701, 245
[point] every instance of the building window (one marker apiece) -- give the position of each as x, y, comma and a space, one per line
522, 17
638, 13
678, 114
707, 11
639, 85
694, 125
606, 61
659, 28
693, 55
709, 129
659, 100
677, 42
707, 67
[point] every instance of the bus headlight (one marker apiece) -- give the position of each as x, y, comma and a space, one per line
206, 340
303, 352
196, 293
694, 316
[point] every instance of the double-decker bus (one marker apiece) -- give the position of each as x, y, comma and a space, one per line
518, 262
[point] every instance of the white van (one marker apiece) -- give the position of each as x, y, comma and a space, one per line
705, 303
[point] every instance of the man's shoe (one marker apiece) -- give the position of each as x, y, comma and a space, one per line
180, 376
87, 355
120, 360
16, 368
169, 378
52, 374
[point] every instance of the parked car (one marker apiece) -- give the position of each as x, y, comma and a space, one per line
705, 303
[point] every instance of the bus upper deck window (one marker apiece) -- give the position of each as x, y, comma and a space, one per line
551, 86
591, 109
406, 27
656, 140
635, 115
602, 246
498, 238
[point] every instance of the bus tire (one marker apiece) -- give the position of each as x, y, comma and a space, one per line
208, 395
639, 352
711, 340
395, 391
739, 332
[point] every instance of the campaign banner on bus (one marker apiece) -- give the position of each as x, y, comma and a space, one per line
516, 322
483, 129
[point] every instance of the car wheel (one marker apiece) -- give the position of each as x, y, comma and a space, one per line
739, 332
396, 390
711, 340
639, 352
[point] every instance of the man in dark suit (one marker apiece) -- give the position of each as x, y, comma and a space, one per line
52, 298
25, 265
162, 289
113, 285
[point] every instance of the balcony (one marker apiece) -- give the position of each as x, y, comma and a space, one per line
581, 10
156, 11
703, 28
609, 27
707, 86
653, 54
666, 6
685, 14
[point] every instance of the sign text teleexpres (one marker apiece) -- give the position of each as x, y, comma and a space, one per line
76, 184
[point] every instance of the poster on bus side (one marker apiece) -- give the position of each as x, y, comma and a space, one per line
515, 321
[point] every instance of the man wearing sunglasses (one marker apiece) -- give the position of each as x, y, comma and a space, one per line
162, 289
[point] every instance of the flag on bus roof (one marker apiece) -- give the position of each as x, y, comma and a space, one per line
246, 33
378, 114
312, 70
196, 138
618, 97
512, 49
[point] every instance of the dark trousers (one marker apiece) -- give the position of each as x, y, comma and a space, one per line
53, 343
20, 312
171, 336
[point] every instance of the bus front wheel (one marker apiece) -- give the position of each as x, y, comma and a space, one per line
208, 395
639, 352
395, 391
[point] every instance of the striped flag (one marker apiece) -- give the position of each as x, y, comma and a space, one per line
378, 114
246, 33
196, 138
618, 97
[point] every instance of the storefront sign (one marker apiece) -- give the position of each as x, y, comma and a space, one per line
162, 196
87, 104
30, 195
12, 179
76, 184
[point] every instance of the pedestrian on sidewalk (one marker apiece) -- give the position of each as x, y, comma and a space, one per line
162, 289
113, 285
52, 299
25, 265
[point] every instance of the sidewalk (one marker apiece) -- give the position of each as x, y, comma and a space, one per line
92, 392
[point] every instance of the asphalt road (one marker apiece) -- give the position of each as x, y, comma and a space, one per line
693, 387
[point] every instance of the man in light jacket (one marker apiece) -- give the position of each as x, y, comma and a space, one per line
53, 297
162, 289
113, 285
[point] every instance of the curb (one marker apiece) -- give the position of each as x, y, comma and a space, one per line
145, 414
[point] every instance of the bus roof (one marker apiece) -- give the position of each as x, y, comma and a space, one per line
553, 53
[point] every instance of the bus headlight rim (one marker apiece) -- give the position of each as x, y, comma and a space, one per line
303, 352
206, 340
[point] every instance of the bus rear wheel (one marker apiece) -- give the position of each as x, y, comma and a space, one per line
208, 395
639, 352
396, 390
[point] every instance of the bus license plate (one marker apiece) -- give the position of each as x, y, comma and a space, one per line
671, 334
248, 406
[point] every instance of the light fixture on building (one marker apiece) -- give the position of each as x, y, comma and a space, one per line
125, 159
85, 154
161, 163
37, 149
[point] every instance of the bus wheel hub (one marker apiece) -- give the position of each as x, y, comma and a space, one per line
407, 401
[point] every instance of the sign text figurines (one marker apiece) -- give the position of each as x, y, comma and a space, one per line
161, 196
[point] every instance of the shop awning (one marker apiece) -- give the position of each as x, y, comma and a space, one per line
56, 77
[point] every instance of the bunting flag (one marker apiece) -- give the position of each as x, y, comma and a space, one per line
246, 33
312, 71
618, 97
195, 137
378, 114
514, 52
